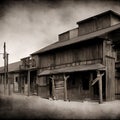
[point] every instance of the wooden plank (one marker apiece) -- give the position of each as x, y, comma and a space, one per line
90, 85
100, 89
110, 78
94, 81
59, 91
59, 88
60, 85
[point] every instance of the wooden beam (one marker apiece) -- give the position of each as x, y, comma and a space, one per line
90, 85
100, 85
95, 80
28, 83
65, 87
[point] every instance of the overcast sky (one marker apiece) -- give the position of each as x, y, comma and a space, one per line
27, 26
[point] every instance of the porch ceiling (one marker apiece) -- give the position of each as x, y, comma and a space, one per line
73, 69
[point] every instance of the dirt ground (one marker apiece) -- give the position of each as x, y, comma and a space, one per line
33, 107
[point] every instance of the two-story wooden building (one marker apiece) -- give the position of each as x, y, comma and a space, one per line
81, 65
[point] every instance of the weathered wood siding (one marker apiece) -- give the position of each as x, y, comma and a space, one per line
109, 57
42, 87
46, 60
36, 58
117, 84
110, 78
73, 33
59, 87
94, 24
68, 35
114, 20
64, 36
89, 51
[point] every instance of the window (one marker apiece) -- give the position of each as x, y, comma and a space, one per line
16, 79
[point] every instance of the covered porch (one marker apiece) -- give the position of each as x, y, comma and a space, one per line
76, 82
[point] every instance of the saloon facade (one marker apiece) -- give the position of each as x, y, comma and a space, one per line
83, 64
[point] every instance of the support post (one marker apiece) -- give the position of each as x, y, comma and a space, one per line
100, 86
28, 83
5, 75
65, 87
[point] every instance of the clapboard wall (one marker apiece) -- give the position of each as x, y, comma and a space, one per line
86, 51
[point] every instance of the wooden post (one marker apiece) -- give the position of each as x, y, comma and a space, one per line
28, 82
65, 87
100, 86
5, 75
53, 86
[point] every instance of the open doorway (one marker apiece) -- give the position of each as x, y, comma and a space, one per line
33, 85
50, 88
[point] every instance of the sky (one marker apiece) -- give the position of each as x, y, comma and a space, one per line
29, 25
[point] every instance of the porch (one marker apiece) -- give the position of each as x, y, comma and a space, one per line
75, 82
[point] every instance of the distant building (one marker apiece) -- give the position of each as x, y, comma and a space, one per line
13, 77
83, 64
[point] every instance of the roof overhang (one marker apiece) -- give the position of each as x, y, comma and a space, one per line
71, 69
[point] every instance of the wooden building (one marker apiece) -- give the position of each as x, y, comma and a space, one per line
12, 85
81, 65
84, 64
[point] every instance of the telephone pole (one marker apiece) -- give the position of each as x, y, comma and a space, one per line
5, 70
5, 57
7, 76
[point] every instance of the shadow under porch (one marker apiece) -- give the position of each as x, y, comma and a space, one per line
77, 86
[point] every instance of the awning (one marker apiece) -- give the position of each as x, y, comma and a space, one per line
73, 69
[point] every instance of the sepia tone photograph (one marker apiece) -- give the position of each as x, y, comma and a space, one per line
59, 59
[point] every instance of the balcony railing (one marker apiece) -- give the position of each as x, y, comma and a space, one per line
27, 64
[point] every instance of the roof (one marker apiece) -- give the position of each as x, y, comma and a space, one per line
73, 69
11, 67
103, 13
81, 38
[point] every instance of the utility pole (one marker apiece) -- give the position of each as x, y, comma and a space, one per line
5, 70
7, 76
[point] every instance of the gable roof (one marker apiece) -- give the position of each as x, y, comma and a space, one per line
103, 13
11, 67
81, 38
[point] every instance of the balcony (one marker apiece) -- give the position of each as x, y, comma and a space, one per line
27, 63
